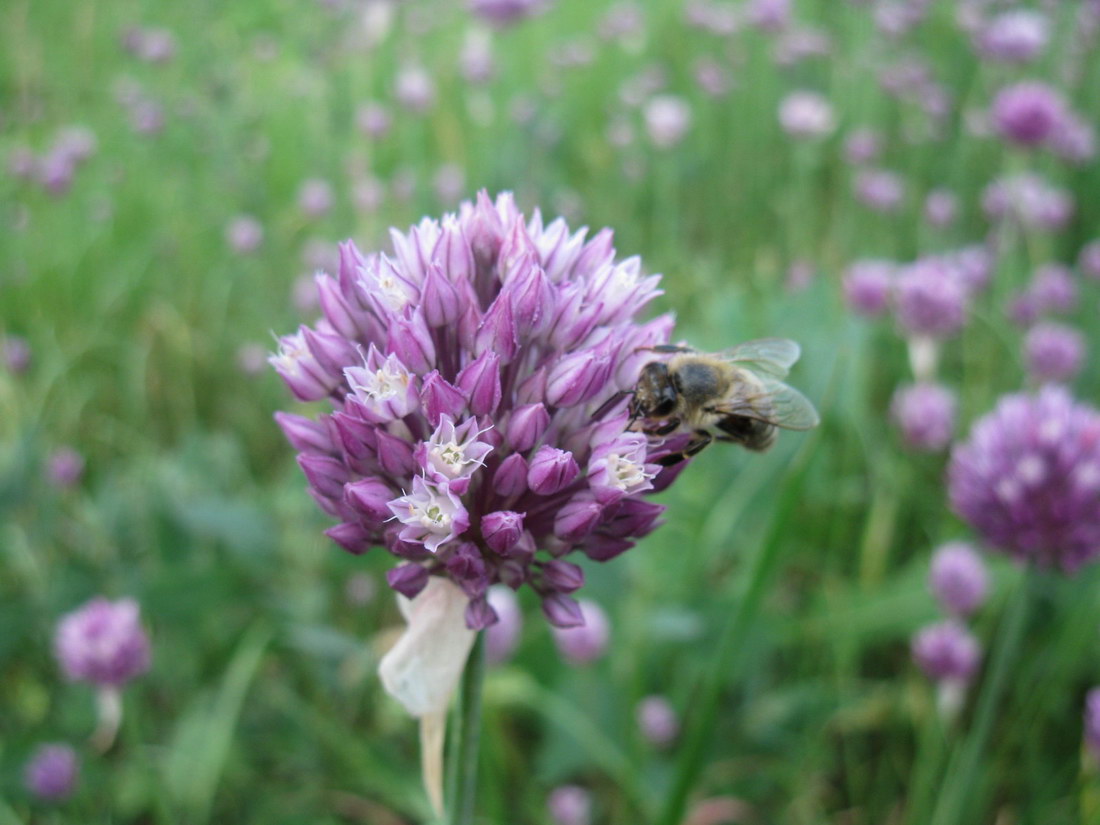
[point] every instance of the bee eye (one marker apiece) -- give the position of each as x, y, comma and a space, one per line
665, 407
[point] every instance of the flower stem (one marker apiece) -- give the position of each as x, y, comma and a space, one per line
961, 778
464, 755
697, 740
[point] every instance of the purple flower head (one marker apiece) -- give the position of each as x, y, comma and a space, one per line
1030, 199
587, 641
373, 119
1092, 721
947, 651
880, 190
17, 353
1028, 113
1053, 352
102, 642
862, 146
52, 772
501, 638
244, 234
667, 119
930, 300
1053, 289
65, 467
315, 197
657, 720
806, 115
958, 578
867, 286
1028, 479
1016, 36
768, 15
972, 266
414, 89
1074, 140
570, 805
464, 369
925, 415
504, 12
1088, 260
941, 208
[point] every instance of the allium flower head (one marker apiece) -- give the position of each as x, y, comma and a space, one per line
102, 643
806, 115
947, 651
941, 207
930, 300
570, 805
1028, 113
1053, 288
1092, 721
862, 146
1088, 260
1030, 199
1016, 36
465, 369
667, 119
16, 352
1028, 479
925, 415
657, 720
867, 286
244, 234
52, 772
880, 190
503, 12
1053, 352
65, 467
958, 578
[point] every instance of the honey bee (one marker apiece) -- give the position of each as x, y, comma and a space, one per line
737, 396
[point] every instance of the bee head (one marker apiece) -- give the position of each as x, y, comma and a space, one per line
655, 395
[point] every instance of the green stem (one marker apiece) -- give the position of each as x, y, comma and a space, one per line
962, 773
731, 643
464, 767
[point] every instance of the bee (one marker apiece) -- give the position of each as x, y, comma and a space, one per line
735, 396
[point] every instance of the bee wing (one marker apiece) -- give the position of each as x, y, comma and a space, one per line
766, 356
776, 404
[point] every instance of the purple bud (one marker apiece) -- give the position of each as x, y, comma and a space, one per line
480, 380
395, 454
1053, 352
439, 298
1089, 260
563, 576
347, 320
958, 578
498, 330
576, 378
408, 579
551, 470
527, 426
587, 641
925, 414
578, 517
657, 720
570, 805
304, 434
501, 638
440, 398
480, 615
326, 475
352, 537
333, 352
371, 497
502, 530
946, 651
102, 642
52, 772
562, 611
411, 341
468, 570
510, 478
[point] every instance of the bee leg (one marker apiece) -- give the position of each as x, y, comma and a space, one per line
695, 446
666, 348
610, 404
669, 426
